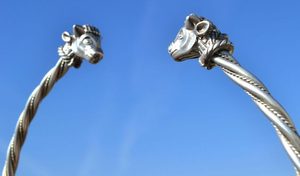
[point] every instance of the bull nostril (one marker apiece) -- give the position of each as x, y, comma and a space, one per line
99, 55
170, 49
94, 60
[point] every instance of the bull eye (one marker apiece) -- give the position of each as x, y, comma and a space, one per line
180, 35
87, 41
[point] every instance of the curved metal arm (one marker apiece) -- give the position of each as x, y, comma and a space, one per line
200, 38
85, 43
36, 97
268, 105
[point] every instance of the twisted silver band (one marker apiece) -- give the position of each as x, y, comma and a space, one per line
33, 102
279, 118
85, 43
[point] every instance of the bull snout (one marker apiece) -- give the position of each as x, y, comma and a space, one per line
95, 56
170, 48
173, 51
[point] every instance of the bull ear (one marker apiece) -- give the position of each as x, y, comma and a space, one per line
191, 21
202, 27
78, 30
66, 37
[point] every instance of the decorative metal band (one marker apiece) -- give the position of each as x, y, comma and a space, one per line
213, 46
85, 43
199, 38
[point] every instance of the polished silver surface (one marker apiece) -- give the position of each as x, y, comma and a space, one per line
199, 38
83, 44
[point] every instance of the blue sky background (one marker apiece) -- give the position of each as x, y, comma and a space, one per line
139, 113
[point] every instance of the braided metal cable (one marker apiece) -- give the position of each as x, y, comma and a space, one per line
200, 38
34, 100
85, 43
279, 118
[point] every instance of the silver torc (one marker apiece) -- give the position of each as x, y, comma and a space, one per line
199, 38
84, 43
